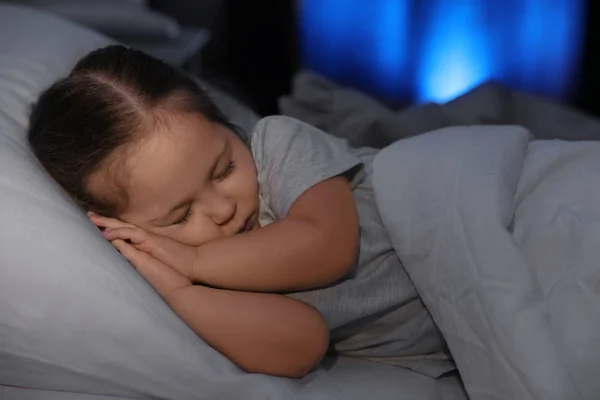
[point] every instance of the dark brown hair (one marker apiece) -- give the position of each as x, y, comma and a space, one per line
105, 105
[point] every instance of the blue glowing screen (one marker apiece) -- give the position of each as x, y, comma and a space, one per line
435, 50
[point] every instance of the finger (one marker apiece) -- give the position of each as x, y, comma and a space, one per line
111, 223
105, 222
168, 251
162, 278
173, 253
135, 235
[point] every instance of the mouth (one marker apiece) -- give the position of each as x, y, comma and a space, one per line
247, 226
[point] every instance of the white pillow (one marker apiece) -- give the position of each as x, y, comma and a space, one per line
74, 316
122, 19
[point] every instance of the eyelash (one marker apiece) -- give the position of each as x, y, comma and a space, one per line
226, 172
185, 218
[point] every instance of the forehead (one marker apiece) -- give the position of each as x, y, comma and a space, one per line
174, 158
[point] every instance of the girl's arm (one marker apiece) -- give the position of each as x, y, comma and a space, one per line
261, 333
314, 245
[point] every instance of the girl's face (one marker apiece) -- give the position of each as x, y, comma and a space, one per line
193, 181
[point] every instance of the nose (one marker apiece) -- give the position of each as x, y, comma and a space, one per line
220, 208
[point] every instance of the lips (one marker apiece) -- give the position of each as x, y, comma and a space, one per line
247, 225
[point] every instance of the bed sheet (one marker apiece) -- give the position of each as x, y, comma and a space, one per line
353, 380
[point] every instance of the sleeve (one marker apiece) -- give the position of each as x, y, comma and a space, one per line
292, 156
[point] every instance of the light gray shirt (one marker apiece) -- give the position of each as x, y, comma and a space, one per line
374, 312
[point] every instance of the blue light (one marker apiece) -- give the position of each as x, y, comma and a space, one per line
391, 54
435, 50
455, 53
354, 44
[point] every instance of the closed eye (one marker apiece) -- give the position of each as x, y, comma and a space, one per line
185, 218
226, 171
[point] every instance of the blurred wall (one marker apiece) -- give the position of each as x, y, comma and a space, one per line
436, 50
253, 51
257, 46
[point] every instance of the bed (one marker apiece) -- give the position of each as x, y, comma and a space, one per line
77, 322
491, 201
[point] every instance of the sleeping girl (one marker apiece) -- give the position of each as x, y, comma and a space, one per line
267, 244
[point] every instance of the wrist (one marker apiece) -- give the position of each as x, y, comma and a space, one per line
195, 273
206, 264
174, 297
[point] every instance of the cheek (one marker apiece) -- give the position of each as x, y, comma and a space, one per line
197, 232
247, 184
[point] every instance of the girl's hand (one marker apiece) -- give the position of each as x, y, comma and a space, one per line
174, 254
162, 278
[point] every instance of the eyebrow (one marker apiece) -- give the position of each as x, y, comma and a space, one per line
187, 202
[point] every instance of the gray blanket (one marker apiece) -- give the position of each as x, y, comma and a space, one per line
364, 121
501, 240
500, 234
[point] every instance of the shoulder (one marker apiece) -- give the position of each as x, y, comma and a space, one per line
280, 139
274, 134
272, 130
278, 122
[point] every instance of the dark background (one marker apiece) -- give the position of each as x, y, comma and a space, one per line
589, 87
254, 49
